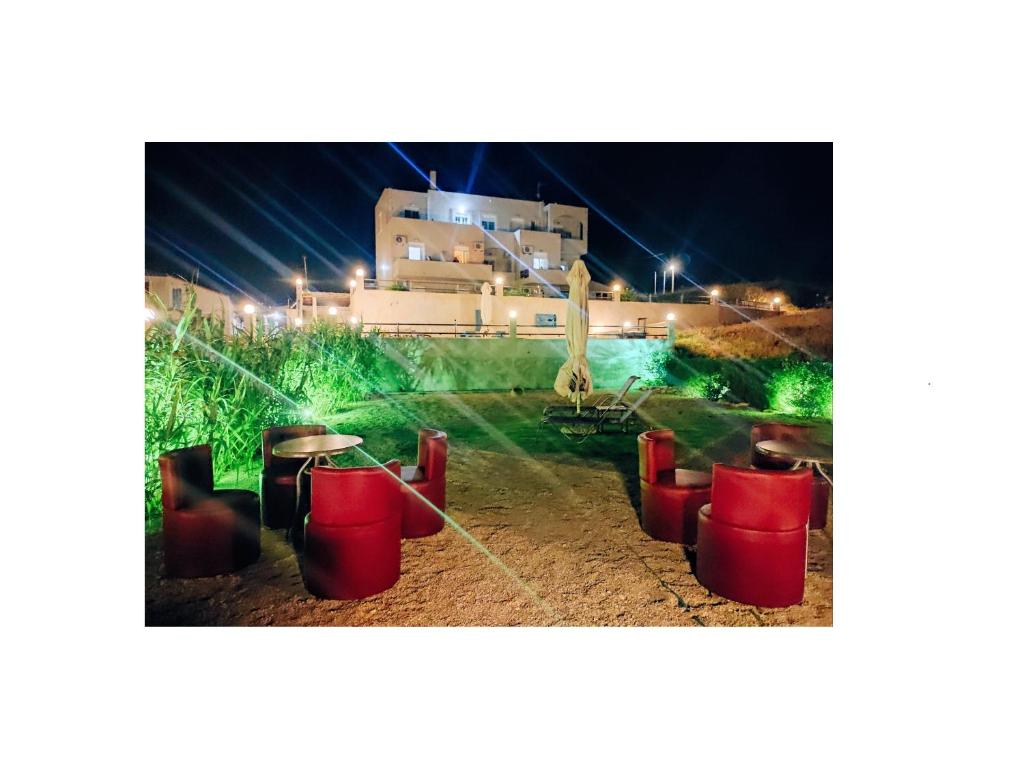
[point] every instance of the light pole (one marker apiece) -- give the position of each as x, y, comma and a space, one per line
672, 269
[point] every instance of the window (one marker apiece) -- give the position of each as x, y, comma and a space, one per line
175, 298
461, 254
416, 251
488, 222
540, 260
411, 212
516, 222
461, 218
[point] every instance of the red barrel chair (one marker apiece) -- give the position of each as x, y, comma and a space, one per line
353, 533
752, 537
670, 498
277, 481
796, 432
206, 532
426, 479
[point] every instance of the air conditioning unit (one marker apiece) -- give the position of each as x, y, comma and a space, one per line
527, 250
399, 239
478, 246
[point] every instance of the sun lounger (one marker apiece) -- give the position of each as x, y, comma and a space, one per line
592, 420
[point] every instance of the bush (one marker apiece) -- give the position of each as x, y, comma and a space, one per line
802, 389
203, 387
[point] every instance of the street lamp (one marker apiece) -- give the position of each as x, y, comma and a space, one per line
714, 292
616, 287
672, 271
298, 282
249, 309
499, 280
351, 285
360, 273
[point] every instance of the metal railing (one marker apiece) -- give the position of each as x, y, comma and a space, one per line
495, 331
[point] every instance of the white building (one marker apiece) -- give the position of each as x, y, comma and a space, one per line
172, 291
447, 241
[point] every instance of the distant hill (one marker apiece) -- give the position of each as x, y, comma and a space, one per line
810, 331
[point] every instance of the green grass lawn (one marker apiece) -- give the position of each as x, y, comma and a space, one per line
501, 422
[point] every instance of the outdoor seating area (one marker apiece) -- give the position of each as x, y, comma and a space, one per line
348, 522
744, 530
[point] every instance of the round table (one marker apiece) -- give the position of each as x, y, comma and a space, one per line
315, 449
800, 453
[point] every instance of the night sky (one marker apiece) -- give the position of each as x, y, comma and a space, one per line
244, 214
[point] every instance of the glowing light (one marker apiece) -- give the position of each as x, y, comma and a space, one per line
670, 316
499, 280
298, 282
150, 315
626, 324
354, 320
332, 311
352, 285
360, 273
616, 287
298, 322
249, 309
512, 314
776, 300
714, 292
385, 267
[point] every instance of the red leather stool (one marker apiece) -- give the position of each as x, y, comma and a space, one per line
277, 481
752, 538
206, 532
797, 432
353, 533
427, 478
670, 498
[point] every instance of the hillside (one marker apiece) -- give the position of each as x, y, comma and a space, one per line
809, 330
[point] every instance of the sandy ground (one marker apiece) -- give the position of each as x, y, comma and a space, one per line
570, 548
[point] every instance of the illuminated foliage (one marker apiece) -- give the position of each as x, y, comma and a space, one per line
802, 389
203, 387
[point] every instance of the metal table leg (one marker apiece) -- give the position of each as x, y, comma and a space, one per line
298, 497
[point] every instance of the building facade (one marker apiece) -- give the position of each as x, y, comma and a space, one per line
451, 241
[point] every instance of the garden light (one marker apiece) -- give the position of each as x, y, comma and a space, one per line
332, 311
512, 314
298, 322
360, 272
776, 300
499, 280
616, 287
714, 292
670, 316
626, 323
298, 282
354, 320
249, 309
351, 285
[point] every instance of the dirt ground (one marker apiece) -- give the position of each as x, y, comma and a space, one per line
566, 545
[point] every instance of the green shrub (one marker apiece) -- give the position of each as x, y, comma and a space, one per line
203, 387
802, 389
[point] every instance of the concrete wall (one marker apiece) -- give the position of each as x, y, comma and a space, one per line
442, 311
460, 365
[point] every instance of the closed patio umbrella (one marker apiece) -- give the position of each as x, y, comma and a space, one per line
573, 380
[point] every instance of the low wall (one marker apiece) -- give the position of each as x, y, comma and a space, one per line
460, 365
384, 309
